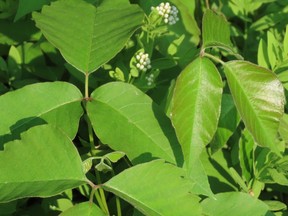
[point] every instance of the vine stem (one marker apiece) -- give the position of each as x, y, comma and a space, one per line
213, 58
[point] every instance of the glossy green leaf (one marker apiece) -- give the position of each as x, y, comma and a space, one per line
215, 31
155, 188
228, 122
43, 163
259, 98
56, 103
195, 110
92, 36
27, 6
84, 209
234, 202
129, 121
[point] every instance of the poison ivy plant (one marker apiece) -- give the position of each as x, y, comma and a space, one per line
130, 108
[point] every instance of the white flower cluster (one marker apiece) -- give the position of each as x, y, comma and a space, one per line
150, 79
143, 61
168, 12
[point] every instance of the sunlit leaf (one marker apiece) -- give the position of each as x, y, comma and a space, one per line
129, 121
259, 98
92, 36
56, 103
238, 203
154, 188
195, 111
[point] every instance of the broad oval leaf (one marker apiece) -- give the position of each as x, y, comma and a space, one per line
155, 188
56, 103
84, 209
196, 107
259, 98
237, 203
43, 163
127, 120
92, 36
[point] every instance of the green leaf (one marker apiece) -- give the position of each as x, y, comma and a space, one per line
259, 98
92, 36
228, 122
262, 54
154, 188
275, 205
43, 163
56, 103
85, 209
246, 157
187, 9
198, 88
283, 128
115, 156
11, 35
127, 120
217, 168
216, 32
234, 202
27, 6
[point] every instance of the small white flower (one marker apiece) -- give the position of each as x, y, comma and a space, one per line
150, 79
143, 61
168, 12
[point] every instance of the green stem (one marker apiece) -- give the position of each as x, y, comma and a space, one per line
118, 204
98, 198
102, 194
207, 4
213, 58
91, 136
86, 86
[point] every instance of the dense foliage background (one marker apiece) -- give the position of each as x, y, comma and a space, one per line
111, 107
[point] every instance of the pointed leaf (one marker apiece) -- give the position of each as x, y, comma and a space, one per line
195, 110
43, 163
56, 103
215, 31
238, 203
127, 120
85, 209
92, 36
154, 188
259, 98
